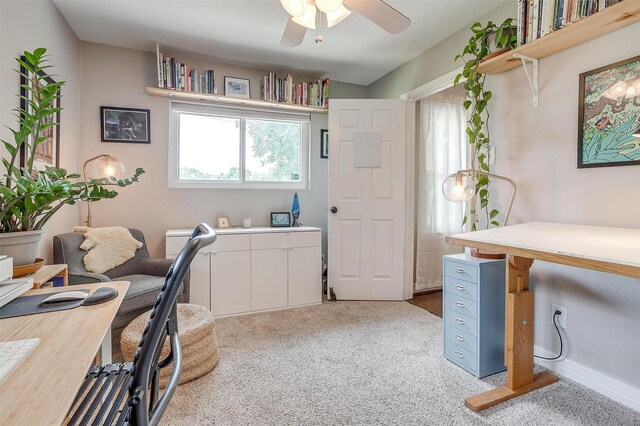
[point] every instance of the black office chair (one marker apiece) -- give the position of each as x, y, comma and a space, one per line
103, 399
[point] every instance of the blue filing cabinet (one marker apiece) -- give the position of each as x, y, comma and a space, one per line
473, 313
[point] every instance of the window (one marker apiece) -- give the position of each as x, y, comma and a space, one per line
218, 147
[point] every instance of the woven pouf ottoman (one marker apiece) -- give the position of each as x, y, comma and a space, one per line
196, 329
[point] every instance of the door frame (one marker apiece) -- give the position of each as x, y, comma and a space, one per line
412, 128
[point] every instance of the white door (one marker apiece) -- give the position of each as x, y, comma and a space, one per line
366, 219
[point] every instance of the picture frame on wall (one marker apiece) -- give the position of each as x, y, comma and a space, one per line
280, 219
235, 87
324, 143
125, 125
48, 152
609, 115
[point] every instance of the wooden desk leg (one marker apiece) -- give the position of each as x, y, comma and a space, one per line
518, 342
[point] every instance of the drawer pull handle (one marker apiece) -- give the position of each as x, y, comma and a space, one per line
459, 304
460, 354
459, 320
459, 287
459, 337
460, 270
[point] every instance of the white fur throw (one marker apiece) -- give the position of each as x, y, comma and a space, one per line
108, 247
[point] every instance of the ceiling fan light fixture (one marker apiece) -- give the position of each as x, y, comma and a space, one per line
294, 7
328, 6
337, 16
308, 19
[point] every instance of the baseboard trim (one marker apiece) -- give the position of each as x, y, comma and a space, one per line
620, 392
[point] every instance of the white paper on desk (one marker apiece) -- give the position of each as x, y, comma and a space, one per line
367, 150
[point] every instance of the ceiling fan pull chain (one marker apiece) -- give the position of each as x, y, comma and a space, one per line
319, 16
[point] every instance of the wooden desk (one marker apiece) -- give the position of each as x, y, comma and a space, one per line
47, 272
41, 389
612, 250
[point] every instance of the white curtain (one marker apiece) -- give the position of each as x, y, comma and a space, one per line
442, 151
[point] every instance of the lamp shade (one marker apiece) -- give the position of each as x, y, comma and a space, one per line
294, 7
104, 166
308, 19
458, 187
337, 16
328, 6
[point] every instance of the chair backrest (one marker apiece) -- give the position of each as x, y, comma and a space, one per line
144, 404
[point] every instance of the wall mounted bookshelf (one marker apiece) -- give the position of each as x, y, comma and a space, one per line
225, 100
610, 19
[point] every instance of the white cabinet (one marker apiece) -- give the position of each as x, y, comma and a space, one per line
254, 269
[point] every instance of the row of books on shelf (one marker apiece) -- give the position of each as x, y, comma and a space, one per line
537, 18
173, 74
284, 89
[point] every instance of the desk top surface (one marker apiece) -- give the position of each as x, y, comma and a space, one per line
42, 387
614, 250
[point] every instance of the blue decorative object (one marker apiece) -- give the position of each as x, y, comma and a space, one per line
295, 210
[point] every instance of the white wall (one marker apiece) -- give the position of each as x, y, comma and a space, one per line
27, 25
537, 147
117, 77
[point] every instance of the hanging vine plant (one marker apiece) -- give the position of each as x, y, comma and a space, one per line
477, 101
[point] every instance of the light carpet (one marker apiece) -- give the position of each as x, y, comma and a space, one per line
361, 363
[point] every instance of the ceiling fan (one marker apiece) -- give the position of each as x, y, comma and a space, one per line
315, 14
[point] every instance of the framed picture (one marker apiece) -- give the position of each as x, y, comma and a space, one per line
130, 125
280, 219
48, 152
223, 222
609, 115
236, 87
324, 143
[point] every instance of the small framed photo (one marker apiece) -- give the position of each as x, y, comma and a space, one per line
324, 143
280, 219
129, 125
236, 87
223, 222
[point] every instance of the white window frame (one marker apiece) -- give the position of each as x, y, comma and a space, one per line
175, 108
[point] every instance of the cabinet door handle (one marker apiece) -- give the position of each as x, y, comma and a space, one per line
459, 337
459, 320
459, 287
459, 304
460, 354
460, 270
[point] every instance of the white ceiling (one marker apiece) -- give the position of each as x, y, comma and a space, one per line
248, 32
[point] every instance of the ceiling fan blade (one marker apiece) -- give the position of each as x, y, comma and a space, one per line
293, 34
380, 14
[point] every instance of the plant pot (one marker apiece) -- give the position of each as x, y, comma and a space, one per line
22, 246
491, 40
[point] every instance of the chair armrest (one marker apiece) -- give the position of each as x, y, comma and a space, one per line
156, 267
76, 277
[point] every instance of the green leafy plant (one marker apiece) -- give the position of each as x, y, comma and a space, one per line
30, 197
477, 101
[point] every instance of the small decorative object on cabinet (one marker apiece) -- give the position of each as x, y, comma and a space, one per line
473, 313
295, 210
280, 219
254, 269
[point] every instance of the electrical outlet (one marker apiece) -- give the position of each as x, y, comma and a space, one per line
562, 318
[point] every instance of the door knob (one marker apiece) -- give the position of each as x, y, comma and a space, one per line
334, 209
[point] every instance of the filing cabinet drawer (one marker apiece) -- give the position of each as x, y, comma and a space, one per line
461, 338
305, 239
269, 241
231, 243
461, 321
461, 270
461, 288
462, 305
461, 356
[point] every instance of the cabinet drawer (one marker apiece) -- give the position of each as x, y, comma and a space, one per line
462, 288
461, 338
231, 243
269, 241
305, 239
461, 321
461, 270
461, 356
461, 305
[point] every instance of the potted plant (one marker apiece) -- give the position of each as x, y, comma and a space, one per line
477, 101
30, 197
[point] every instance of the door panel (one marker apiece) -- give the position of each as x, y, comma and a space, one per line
305, 276
269, 282
230, 282
366, 234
